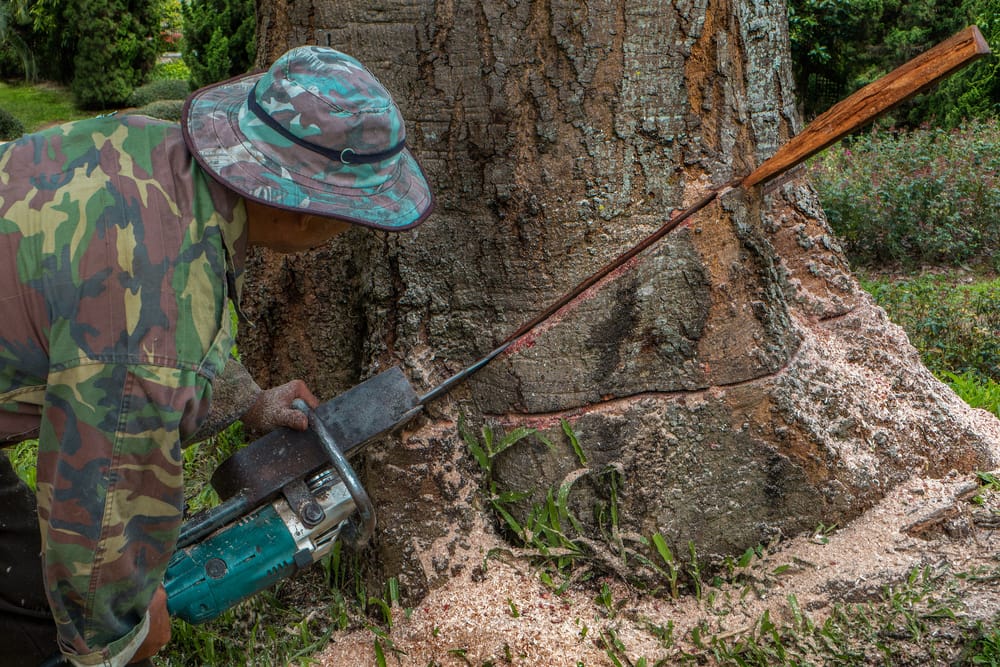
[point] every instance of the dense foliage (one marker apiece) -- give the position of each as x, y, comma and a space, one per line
841, 45
952, 325
927, 196
116, 48
219, 39
10, 127
102, 48
15, 53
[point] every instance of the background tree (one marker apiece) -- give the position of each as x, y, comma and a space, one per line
117, 44
54, 39
218, 39
14, 18
840, 45
974, 92
102, 48
732, 385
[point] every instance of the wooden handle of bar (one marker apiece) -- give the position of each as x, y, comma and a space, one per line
873, 100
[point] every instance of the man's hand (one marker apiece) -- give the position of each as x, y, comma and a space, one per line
159, 628
274, 408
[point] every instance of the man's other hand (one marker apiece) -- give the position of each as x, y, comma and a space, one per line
159, 628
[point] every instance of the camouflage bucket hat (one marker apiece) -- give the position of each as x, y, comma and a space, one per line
316, 133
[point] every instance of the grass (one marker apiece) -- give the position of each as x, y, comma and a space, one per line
290, 622
920, 619
976, 391
917, 620
953, 319
546, 532
40, 106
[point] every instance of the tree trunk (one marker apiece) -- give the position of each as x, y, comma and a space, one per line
274, 29
731, 385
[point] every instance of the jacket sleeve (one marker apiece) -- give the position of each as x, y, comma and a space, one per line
110, 497
233, 393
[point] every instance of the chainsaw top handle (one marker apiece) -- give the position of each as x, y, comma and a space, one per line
356, 533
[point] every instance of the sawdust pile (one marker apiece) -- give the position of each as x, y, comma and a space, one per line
501, 613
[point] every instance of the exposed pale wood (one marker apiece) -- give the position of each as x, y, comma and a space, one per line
875, 99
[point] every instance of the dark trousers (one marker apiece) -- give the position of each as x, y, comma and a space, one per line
27, 631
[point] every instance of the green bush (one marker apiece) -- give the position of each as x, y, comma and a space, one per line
918, 197
163, 109
10, 127
116, 48
956, 327
164, 89
172, 69
219, 39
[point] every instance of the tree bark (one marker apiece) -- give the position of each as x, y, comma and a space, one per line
731, 385
274, 26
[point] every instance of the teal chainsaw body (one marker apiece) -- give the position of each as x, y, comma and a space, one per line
287, 498
251, 554
208, 578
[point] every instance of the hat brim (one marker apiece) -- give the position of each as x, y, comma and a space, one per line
252, 166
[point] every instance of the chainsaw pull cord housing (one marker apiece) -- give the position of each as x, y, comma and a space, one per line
356, 533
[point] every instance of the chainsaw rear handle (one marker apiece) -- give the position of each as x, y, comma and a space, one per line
356, 533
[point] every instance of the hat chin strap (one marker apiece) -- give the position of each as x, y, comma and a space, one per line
345, 155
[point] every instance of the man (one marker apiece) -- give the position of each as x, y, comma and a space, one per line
121, 246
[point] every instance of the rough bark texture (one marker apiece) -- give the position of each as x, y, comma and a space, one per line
274, 27
732, 384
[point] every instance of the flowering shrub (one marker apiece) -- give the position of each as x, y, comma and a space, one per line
926, 196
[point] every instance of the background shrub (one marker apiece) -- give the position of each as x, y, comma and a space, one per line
918, 197
163, 109
117, 45
163, 89
955, 327
10, 127
219, 39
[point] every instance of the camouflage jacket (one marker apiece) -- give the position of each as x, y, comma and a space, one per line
117, 257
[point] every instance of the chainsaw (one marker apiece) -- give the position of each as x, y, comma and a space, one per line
288, 497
